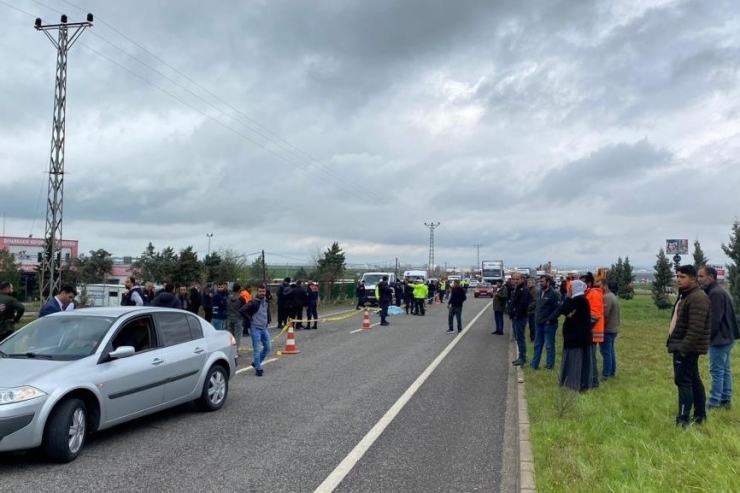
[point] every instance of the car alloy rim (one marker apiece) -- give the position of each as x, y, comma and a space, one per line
217, 388
77, 431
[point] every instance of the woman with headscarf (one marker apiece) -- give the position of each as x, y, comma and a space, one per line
576, 371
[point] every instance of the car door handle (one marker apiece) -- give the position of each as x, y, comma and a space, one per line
157, 361
199, 350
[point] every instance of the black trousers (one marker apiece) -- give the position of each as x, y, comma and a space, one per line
420, 309
384, 304
298, 315
208, 313
282, 316
691, 391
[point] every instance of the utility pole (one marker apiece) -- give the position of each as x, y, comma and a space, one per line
264, 268
430, 266
477, 246
209, 236
50, 280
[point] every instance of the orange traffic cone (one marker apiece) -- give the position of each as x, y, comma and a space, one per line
366, 319
290, 347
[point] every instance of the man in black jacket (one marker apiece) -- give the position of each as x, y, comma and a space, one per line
195, 299
360, 295
284, 302
455, 306
300, 300
546, 322
722, 338
385, 294
689, 334
519, 314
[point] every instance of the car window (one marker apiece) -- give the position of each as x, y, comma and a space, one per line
174, 328
137, 333
196, 330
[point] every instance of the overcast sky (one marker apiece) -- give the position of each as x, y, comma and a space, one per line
569, 131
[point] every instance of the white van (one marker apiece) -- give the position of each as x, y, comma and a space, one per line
413, 275
371, 281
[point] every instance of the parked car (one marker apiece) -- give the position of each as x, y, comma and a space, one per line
483, 289
66, 375
473, 283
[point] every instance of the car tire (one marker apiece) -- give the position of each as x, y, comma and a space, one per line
215, 390
65, 431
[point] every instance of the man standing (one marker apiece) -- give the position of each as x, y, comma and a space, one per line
722, 339
518, 309
255, 313
300, 300
207, 300
220, 307
182, 298
500, 298
360, 292
195, 299
420, 296
234, 319
312, 312
532, 307
59, 302
284, 302
13, 311
384, 299
148, 293
166, 297
455, 306
133, 295
611, 328
546, 323
688, 338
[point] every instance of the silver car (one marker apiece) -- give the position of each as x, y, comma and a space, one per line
71, 373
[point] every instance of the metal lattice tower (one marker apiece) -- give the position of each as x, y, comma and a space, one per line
430, 266
50, 278
477, 247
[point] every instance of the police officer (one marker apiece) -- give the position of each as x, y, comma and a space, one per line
385, 295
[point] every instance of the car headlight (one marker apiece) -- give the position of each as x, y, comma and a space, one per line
19, 394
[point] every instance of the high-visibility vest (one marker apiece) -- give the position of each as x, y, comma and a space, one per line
595, 297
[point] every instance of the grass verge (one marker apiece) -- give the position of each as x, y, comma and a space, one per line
621, 437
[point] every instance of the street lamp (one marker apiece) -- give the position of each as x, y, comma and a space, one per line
209, 235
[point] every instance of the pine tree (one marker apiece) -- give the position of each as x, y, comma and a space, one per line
732, 250
211, 264
626, 290
188, 267
615, 272
700, 260
663, 280
331, 267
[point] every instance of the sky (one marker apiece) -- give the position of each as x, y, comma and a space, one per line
567, 131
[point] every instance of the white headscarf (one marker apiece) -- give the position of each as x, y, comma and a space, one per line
577, 288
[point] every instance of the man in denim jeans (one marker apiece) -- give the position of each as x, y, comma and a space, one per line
611, 328
255, 313
546, 323
518, 311
724, 333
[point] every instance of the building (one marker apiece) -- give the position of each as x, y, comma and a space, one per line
29, 251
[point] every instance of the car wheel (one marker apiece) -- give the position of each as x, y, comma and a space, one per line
215, 389
65, 431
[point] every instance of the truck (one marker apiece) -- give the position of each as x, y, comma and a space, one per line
414, 275
492, 271
371, 281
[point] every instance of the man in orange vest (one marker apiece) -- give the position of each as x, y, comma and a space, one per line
595, 297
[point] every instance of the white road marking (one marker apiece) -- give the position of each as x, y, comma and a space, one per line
360, 330
338, 474
252, 368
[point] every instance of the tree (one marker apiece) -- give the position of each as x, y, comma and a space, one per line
732, 250
146, 267
331, 267
663, 280
10, 268
233, 266
188, 267
96, 268
211, 264
700, 260
166, 263
626, 291
302, 274
616, 271
260, 271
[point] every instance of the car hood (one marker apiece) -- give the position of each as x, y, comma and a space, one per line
16, 372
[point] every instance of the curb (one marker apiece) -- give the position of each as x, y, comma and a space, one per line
526, 458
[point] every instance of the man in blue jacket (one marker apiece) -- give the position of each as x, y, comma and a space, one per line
220, 307
60, 302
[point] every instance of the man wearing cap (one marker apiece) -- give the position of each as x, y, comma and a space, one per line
595, 297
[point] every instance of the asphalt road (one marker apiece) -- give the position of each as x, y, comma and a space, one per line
451, 431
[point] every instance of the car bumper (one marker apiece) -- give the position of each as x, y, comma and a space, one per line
20, 425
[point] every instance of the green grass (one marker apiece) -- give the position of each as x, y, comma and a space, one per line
621, 437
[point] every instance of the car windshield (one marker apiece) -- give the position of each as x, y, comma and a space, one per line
372, 279
63, 337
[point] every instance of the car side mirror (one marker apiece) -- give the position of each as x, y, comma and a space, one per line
121, 352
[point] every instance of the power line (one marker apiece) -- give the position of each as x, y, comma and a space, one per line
17, 9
